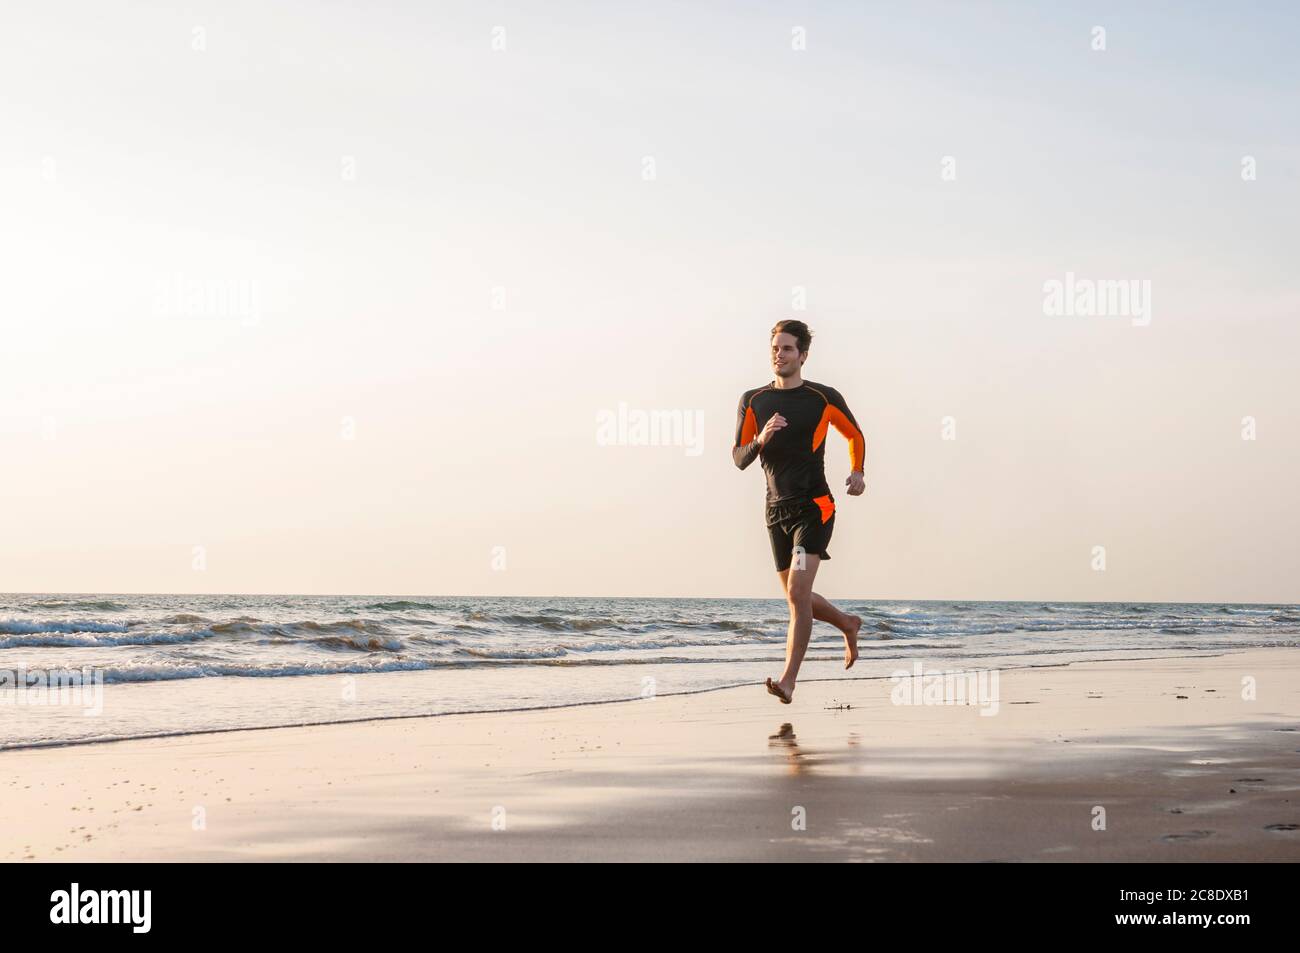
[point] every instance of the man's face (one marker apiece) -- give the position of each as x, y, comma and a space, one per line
786, 359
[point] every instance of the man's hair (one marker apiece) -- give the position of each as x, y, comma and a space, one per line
800, 330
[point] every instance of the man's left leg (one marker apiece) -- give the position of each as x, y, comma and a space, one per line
825, 611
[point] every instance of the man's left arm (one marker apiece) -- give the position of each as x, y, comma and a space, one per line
842, 419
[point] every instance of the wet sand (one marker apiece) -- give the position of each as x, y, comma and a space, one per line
1166, 752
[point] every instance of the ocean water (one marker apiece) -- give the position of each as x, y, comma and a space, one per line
175, 664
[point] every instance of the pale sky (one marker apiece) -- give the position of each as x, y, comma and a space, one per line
338, 293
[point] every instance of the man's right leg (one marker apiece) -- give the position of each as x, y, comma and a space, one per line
799, 600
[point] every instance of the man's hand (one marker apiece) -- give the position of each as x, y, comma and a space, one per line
856, 483
774, 423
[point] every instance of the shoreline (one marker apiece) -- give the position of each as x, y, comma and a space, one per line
720, 773
809, 662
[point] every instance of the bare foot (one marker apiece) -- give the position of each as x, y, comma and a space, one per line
851, 641
780, 690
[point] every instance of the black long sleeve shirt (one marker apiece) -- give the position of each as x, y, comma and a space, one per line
794, 457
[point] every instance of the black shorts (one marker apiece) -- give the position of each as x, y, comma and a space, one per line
805, 523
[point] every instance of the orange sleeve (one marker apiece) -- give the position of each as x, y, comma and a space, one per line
842, 419
745, 449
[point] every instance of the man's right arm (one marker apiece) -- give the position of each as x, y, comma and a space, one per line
746, 446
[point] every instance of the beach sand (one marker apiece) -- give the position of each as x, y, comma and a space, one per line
1184, 768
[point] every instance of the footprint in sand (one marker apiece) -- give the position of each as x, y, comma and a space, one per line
1185, 836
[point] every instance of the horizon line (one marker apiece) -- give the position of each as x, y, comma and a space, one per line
389, 595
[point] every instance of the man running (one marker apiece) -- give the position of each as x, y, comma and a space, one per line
785, 423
